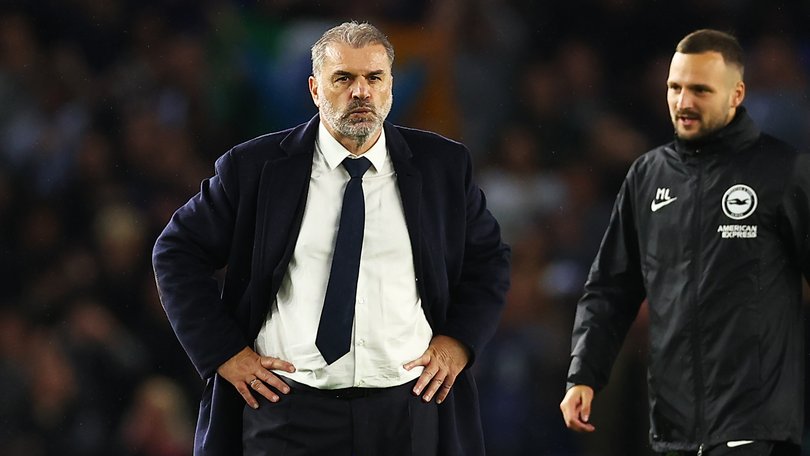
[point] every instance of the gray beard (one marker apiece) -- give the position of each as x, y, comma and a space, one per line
357, 132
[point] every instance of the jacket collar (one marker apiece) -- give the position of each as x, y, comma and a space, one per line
397, 146
301, 139
735, 136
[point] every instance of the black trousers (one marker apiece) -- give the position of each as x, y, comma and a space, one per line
758, 448
348, 422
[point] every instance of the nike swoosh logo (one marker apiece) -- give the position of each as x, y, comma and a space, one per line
655, 205
736, 443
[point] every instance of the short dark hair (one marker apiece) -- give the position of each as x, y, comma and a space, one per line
355, 34
709, 40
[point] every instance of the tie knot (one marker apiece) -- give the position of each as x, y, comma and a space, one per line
356, 166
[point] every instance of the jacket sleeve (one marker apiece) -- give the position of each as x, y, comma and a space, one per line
613, 293
796, 206
480, 294
193, 246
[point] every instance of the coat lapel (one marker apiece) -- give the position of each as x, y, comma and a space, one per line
281, 200
409, 180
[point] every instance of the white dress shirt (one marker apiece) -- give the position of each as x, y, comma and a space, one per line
390, 327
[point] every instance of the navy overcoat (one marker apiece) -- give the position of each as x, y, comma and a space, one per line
244, 223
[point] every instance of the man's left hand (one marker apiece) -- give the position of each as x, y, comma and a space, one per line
444, 359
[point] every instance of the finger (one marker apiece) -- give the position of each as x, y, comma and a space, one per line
577, 425
432, 387
278, 364
581, 426
423, 360
585, 408
273, 380
261, 388
444, 390
424, 381
244, 391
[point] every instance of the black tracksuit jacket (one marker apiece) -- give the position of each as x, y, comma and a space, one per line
715, 235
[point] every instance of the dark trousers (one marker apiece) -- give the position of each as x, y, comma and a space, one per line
348, 422
758, 448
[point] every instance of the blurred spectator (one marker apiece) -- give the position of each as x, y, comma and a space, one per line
16, 437
777, 90
543, 105
519, 192
157, 423
491, 40
612, 144
582, 80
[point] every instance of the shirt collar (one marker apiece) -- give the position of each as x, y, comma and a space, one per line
334, 152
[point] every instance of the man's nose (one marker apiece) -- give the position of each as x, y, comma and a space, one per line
685, 100
361, 89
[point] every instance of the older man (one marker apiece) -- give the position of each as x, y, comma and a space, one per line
364, 273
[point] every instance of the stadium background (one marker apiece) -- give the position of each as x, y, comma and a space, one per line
111, 112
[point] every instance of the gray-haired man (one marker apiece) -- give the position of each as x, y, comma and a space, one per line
364, 273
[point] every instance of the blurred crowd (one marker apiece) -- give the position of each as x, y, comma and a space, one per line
111, 112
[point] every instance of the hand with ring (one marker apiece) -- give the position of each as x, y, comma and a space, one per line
444, 359
248, 369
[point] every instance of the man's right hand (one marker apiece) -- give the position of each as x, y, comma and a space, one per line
576, 408
248, 370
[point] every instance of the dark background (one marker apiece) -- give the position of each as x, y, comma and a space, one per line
112, 112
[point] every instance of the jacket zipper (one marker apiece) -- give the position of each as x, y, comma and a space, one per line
696, 274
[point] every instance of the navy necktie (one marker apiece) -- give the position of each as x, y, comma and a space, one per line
335, 327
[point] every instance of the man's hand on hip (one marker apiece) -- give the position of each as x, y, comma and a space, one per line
444, 359
248, 370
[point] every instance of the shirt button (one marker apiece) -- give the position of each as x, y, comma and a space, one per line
361, 342
361, 300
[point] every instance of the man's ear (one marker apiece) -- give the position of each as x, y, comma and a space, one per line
313, 90
738, 94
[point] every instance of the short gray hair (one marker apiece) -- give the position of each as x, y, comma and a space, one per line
355, 34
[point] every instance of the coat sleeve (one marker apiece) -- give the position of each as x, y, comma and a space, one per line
480, 293
796, 205
613, 294
193, 246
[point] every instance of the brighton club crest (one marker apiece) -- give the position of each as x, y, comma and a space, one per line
739, 202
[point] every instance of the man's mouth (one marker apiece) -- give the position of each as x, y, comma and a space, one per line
359, 114
688, 119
